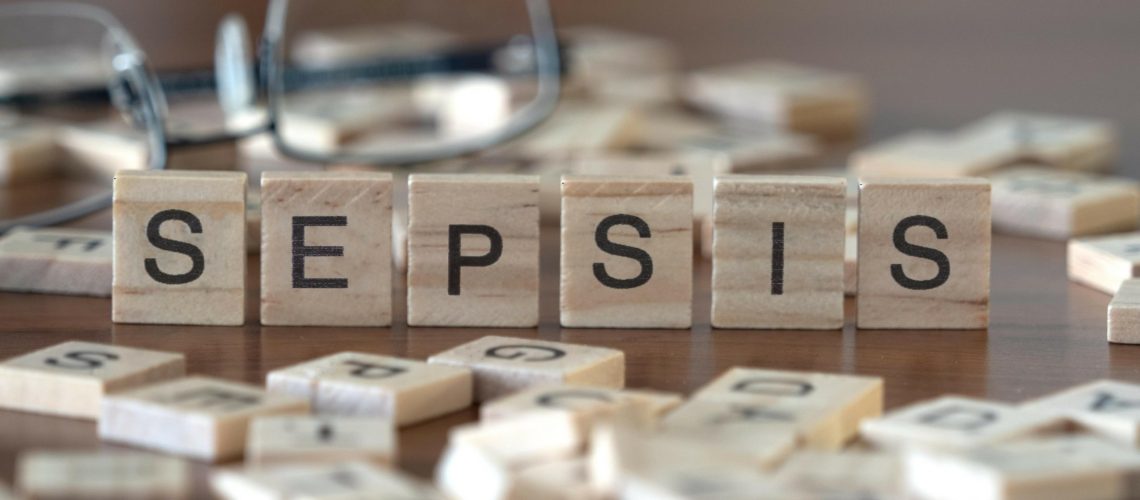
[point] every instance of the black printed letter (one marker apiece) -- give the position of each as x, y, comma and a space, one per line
602, 238
455, 259
300, 251
198, 261
921, 252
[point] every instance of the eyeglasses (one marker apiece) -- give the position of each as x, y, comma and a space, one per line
392, 94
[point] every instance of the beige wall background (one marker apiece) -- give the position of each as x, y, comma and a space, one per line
930, 64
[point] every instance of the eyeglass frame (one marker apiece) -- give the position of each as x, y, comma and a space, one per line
138, 93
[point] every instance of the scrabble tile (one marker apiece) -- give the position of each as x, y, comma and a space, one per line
804, 99
851, 253
1107, 407
926, 154
620, 65
179, 248
320, 481
624, 463
761, 434
699, 169
357, 384
1124, 314
471, 105
557, 480
473, 250
1062, 467
197, 417
303, 438
322, 122
1104, 262
503, 364
627, 252
1060, 205
480, 461
824, 410
955, 423
326, 248
333, 47
64, 261
51, 68
72, 379
1069, 143
778, 252
587, 404
102, 148
924, 254
752, 150
855, 474
27, 152
576, 127
92, 474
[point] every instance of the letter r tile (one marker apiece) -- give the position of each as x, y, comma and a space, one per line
924, 254
326, 248
179, 247
627, 252
473, 250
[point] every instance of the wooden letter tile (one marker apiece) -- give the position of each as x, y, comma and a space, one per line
1108, 407
503, 364
627, 252
179, 248
761, 434
778, 246
924, 254
473, 250
303, 438
823, 410
89, 474
557, 480
1069, 143
1060, 205
481, 461
71, 379
27, 152
1060, 467
924, 154
625, 463
854, 474
956, 423
404, 391
1124, 314
804, 99
1104, 262
587, 404
64, 261
320, 481
196, 417
326, 248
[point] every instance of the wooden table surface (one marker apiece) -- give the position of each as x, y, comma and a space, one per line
1046, 333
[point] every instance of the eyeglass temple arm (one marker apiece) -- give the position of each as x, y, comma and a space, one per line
480, 59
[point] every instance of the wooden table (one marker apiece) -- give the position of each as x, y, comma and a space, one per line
1046, 333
